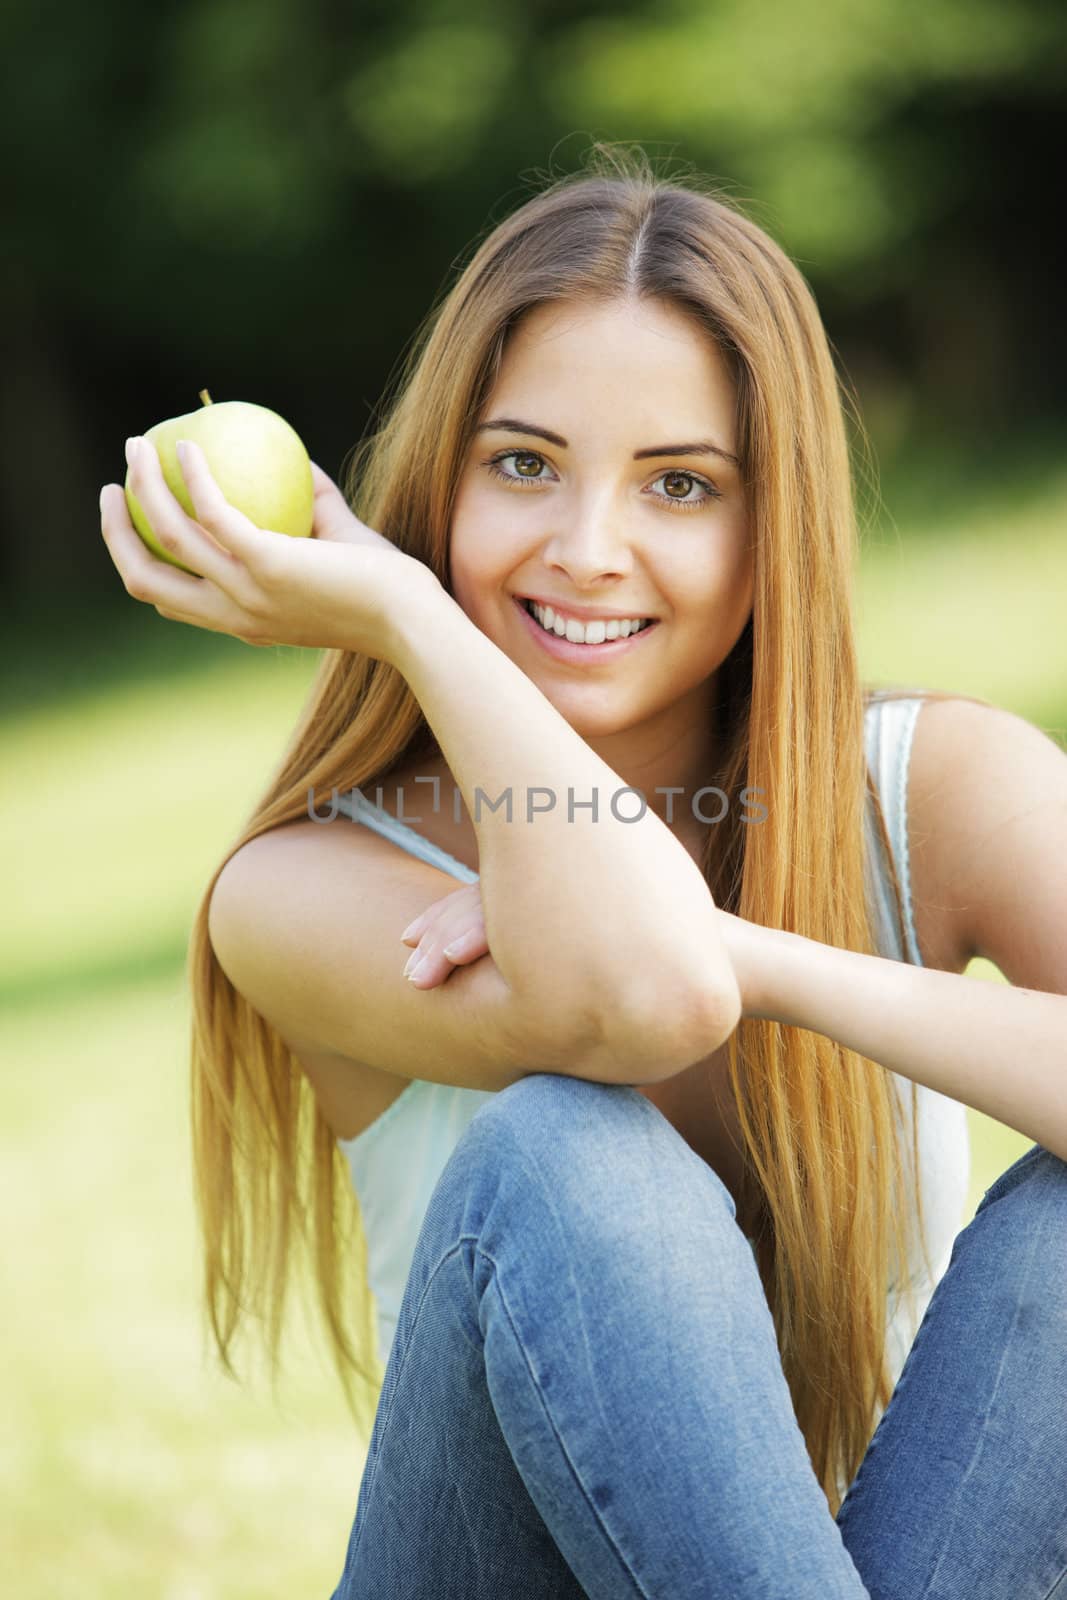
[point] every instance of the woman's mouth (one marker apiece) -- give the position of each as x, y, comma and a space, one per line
563, 649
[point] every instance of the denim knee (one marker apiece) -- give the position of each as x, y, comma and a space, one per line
584, 1202
1021, 1222
551, 1114
1037, 1172
587, 1141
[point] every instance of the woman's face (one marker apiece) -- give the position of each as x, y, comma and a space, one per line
603, 478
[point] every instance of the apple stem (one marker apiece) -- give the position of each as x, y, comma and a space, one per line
205, 398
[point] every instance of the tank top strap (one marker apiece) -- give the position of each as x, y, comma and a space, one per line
889, 727
356, 805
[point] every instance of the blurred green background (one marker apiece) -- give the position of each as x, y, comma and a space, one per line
265, 200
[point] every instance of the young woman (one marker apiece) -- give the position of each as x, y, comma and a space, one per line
660, 1153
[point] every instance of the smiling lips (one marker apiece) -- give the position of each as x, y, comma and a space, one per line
584, 630
581, 613
570, 649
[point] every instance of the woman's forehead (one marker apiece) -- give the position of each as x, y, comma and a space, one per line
627, 367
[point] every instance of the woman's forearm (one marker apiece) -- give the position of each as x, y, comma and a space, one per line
606, 919
1000, 1049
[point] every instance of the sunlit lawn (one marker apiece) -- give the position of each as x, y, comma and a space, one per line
127, 1465
130, 1466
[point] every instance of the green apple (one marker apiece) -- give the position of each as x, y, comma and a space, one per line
255, 457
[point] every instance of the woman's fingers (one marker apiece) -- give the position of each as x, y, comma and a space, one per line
216, 543
174, 593
470, 945
434, 966
220, 594
323, 485
465, 902
242, 546
446, 936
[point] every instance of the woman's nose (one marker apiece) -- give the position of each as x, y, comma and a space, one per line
590, 546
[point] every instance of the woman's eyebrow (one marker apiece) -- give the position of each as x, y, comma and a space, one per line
703, 447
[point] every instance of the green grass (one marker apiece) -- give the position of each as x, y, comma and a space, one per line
127, 1464
975, 605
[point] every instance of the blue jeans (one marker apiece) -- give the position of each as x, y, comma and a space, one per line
585, 1397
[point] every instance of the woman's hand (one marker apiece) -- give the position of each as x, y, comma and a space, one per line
341, 588
457, 922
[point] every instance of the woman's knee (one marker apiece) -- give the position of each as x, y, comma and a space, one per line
549, 1109
593, 1144
557, 1181
552, 1125
1037, 1178
1020, 1234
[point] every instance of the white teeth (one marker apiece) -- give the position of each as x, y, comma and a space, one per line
584, 632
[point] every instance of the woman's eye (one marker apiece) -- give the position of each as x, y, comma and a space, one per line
677, 486
527, 464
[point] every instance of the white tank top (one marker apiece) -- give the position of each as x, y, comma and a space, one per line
396, 1161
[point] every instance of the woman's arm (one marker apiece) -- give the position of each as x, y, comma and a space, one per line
609, 916
987, 804
997, 1048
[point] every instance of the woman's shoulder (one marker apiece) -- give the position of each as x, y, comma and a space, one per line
987, 826
909, 742
939, 927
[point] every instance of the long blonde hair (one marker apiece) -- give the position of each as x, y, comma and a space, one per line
819, 1123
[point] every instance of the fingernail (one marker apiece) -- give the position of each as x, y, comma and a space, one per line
451, 949
416, 969
412, 959
182, 449
407, 931
132, 446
